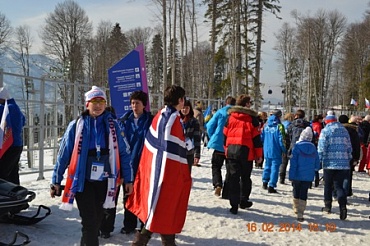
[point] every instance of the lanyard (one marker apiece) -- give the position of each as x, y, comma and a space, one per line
97, 140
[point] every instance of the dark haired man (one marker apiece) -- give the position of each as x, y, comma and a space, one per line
241, 151
134, 124
162, 183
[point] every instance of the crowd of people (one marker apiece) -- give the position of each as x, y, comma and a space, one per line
154, 157
151, 158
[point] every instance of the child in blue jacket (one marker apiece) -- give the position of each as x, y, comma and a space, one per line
304, 161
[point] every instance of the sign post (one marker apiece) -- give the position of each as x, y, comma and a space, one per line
126, 76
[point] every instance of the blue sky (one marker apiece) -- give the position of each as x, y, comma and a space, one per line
134, 13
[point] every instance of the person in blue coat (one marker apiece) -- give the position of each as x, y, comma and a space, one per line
9, 161
134, 124
304, 162
273, 139
98, 160
335, 153
215, 127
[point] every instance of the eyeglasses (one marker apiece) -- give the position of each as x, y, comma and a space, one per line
98, 101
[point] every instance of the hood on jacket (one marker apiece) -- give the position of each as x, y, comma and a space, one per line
273, 120
242, 110
244, 114
306, 147
300, 123
354, 126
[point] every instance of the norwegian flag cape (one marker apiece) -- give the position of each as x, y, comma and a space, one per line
162, 184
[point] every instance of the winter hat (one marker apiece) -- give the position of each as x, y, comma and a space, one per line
306, 134
95, 92
330, 112
277, 112
343, 119
330, 117
4, 94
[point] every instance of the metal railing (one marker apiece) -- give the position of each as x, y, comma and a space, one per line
39, 100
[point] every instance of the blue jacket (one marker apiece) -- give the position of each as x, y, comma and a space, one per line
17, 121
67, 144
335, 150
135, 134
286, 124
215, 128
273, 138
304, 162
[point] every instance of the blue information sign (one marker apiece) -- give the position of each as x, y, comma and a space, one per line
126, 76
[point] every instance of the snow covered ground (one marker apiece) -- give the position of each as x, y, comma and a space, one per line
270, 221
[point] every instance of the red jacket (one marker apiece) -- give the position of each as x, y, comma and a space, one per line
242, 129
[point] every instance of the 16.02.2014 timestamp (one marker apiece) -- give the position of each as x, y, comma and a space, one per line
289, 227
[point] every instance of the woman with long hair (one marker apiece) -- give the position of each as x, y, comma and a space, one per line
192, 134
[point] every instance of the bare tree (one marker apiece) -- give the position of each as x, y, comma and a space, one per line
5, 30
355, 51
174, 42
323, 33
63, 36
23, 43
286, 48
139, 35
101, 52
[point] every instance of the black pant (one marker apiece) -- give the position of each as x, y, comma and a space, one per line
239, 180
90, 205
218, 158
300, 189
9, 164
129, 220
283, 167
107, 224
336, 180
190, 159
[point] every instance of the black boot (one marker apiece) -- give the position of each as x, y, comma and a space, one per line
327, 207
282, 178
272, 190
141, 238
343, 212
168, 240
317, 179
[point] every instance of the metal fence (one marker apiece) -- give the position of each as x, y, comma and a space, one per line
40, 101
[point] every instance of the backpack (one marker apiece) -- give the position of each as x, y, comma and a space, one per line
295, 129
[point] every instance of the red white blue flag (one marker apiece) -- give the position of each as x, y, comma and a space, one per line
353, 102
367, 103
163, 182
6, 134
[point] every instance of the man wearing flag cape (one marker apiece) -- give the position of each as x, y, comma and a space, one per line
11, 143
162, 183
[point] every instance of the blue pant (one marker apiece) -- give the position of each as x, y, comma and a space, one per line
271, 171
300, 189
336, 179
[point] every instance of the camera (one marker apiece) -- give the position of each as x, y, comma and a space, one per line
57, 192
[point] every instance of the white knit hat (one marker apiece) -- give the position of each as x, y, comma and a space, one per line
306, 134
94, 93
4, 94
